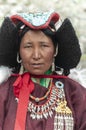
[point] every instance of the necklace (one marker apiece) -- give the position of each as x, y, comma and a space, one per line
46, 109
55, 104
36, 99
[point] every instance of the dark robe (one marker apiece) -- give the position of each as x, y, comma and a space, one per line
75, 96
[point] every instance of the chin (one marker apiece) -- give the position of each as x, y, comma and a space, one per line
37, 73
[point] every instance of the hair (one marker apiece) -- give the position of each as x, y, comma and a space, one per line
50, 32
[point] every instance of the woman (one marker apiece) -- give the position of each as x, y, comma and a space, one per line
35, 96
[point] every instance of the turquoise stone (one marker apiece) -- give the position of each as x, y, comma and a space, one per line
36, 19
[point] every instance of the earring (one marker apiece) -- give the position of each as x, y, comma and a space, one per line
18, 60
53, 65
21, 69
56, 52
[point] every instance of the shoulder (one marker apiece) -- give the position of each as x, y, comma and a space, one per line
74, 92
71, 83
72, 87
6, 86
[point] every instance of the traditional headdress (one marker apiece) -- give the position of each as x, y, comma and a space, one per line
69, 52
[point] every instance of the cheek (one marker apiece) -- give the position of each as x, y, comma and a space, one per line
24, 55
25, 61
49, 57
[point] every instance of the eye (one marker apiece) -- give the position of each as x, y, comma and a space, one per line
27, 45
43, 44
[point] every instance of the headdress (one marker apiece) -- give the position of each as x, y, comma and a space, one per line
69, 52
8, 48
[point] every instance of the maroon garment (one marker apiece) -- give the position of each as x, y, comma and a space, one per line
75, 95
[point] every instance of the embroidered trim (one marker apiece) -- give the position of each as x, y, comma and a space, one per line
36, 20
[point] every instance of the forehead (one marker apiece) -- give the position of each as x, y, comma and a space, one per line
35, 35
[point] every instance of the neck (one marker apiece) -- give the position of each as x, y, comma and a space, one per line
38, 80
43, 81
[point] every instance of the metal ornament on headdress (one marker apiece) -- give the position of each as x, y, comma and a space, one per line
36, 20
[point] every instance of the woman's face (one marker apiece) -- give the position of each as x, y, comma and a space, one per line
37, 52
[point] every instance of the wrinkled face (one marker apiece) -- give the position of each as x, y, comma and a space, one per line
37, 52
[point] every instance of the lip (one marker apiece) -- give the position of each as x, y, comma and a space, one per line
36, 65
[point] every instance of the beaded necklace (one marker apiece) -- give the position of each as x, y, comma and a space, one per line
44, 97
56, 103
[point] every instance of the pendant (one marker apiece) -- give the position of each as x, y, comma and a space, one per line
62, 108
63, 119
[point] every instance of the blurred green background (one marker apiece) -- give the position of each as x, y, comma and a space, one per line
75, 10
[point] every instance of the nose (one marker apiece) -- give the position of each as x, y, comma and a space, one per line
36, 54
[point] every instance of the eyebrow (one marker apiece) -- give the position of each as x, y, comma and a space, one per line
40, 42
27, 42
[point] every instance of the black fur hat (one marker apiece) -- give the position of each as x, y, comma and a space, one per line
69, 51
8, 41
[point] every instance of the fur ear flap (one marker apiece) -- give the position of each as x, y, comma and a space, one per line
69, 51
79, 75
5, 73
8, 41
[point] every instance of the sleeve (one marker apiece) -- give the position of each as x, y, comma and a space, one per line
80, 108
3, 99
76, 97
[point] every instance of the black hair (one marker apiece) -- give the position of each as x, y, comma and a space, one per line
49, 31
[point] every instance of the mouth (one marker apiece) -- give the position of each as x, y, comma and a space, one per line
37, 65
